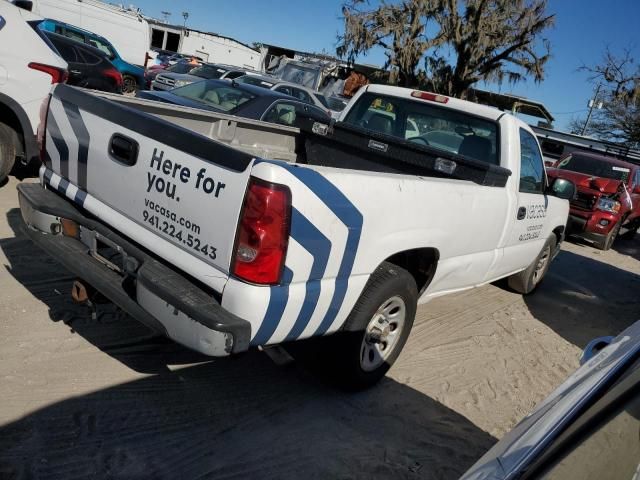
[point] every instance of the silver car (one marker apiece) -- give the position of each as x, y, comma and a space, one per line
588, 428
206, 71
294, 90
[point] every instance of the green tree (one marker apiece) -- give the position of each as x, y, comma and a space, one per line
460, 43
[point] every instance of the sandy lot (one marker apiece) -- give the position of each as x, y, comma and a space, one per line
106, 398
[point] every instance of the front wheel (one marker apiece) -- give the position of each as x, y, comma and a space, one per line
527, 280
375, 332
607, 242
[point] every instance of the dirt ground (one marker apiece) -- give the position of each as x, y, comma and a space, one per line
106, 398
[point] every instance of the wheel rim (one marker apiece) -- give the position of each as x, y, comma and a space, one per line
382, 333
543, 261
129, 85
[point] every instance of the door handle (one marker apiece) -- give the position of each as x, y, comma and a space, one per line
123, 149
522, 213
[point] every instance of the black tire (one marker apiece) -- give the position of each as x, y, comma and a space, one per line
528, 280
607, 242
338, 357
129, 84
7, 150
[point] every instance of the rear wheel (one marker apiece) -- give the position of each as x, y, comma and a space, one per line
526, 281
373, 335
129, 85
7, 150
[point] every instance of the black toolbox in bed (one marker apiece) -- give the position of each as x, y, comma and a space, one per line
347, 146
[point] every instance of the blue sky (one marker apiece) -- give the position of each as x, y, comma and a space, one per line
582, 30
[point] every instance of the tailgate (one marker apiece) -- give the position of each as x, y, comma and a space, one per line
181, 186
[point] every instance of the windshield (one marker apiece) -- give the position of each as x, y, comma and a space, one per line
257, 81
181, 67
208, 71
428, 124
225, 98
301, 75
323, 100
336, 104
595, 167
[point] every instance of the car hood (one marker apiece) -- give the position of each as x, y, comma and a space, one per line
603, 185
181, 76
518, 448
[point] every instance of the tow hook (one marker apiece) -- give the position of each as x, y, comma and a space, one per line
81, 293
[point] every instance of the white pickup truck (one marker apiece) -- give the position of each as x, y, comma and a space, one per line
226, 233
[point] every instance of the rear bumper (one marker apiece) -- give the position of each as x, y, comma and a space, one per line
150, 291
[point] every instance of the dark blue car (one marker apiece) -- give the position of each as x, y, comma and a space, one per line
132, 75
232, 98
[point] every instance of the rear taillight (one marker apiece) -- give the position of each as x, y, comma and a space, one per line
115, 75
263, 233
58, 75
42, 127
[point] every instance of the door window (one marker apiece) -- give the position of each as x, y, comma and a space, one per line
284, 89
78, 37
301, 95
283, 113
531, 164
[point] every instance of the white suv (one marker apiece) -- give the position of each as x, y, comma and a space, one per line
29, 65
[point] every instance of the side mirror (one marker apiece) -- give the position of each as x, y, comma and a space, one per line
594, 347
563, 188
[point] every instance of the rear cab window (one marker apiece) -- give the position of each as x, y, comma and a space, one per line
226, 99
428, 125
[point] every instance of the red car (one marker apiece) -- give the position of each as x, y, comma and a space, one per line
607, 199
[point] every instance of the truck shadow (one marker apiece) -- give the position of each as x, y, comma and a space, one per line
241, 417
582, 298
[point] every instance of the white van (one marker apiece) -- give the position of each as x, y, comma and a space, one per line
128, 31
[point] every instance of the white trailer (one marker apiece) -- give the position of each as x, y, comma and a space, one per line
126, 29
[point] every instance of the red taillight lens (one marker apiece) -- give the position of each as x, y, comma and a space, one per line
58, 75
42, 127
115, 75
263, 233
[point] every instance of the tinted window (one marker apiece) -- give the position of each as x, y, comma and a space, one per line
180, 67
102, 46
595, 167
232, 75
283, 113
223, 98
67, 52
531, 165
257, 81
74, 35
284, 89
208, 72
428, 124
87, 57
301, 95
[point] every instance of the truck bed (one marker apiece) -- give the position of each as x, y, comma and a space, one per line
337, 145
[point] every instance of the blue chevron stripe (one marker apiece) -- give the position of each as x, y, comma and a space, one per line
348, 214
312, 239
279, 295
